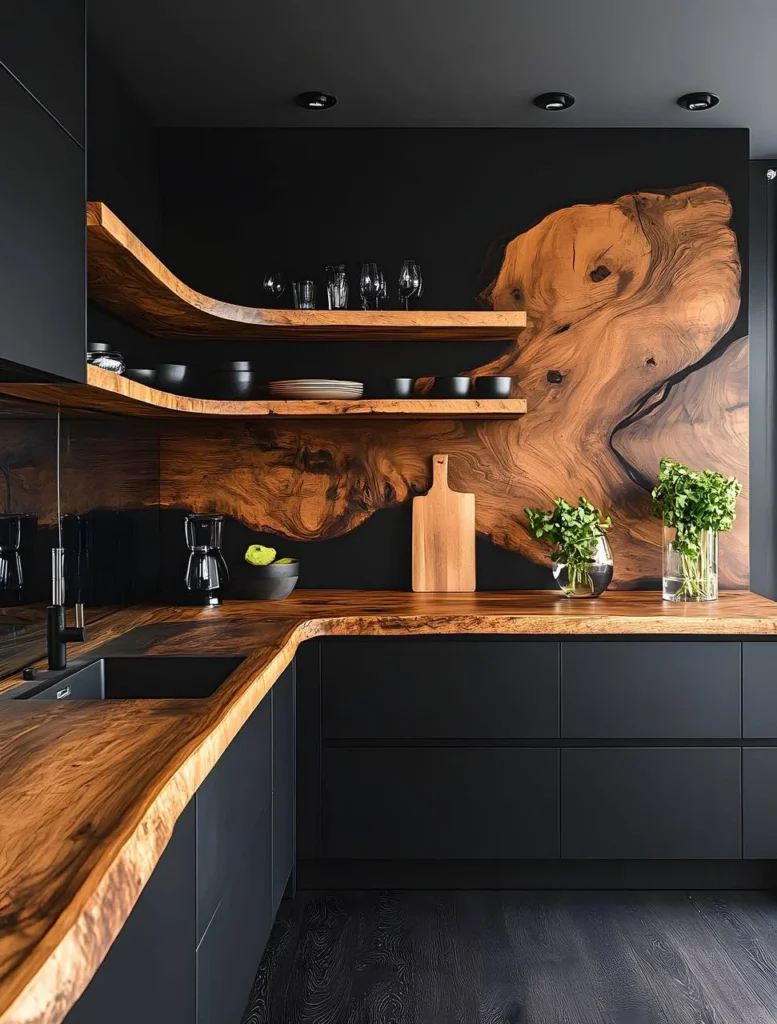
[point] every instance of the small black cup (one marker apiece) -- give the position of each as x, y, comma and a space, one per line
451, 387
493, 387
174, 377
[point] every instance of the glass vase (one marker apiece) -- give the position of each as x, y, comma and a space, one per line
691, 577
589, 579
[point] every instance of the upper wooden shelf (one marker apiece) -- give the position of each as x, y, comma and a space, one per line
129, 281
106, 392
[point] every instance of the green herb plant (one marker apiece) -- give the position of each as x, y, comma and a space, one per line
574, 531
692, 502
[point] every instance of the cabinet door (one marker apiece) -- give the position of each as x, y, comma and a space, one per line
422, 689
651, 803
230, 803
231, 949
149, 972
641, 690
42, 255
43, 43
759, 690
759, 796
467, 803
283, 773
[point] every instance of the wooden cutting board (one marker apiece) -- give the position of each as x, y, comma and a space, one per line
443, 536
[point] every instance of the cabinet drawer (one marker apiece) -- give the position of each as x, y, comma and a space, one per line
229, 804
651, 803
229, 954
759, 690
759, 803
436, 690
283, 804
661, 690
453, 803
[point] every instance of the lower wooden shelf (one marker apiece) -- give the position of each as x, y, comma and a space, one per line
109, 393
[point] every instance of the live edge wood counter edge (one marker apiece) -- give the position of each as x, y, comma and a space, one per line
90, 792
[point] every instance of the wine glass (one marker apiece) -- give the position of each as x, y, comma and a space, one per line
410, 282
371, 285
274, 283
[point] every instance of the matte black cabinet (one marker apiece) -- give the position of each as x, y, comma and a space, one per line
284, 712
149, 972
476, 689
471, 803
651, 690
759, 795
43, 43
42, 242
230, 951
651, 802
230, 806
759, 690
190, 949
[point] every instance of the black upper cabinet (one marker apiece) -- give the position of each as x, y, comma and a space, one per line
42, 242
43, 43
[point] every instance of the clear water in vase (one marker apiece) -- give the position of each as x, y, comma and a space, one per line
588, 580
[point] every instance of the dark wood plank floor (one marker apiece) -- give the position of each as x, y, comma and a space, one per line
521, 958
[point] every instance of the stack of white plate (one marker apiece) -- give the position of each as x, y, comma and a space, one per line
339, 389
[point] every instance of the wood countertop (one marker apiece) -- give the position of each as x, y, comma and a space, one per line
90, 791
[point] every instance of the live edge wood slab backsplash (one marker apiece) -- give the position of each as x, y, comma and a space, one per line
625, 249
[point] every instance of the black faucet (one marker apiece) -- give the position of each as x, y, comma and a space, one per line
58, 634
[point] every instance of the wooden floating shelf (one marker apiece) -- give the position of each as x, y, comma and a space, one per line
126, 279
109, 393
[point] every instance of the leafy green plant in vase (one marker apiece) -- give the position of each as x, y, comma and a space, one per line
582, 560
694, 506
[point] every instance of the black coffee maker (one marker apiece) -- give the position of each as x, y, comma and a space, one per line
206, 573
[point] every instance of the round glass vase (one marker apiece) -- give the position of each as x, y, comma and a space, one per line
691, 577
589, 579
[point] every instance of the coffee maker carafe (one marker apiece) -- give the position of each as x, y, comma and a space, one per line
206, 573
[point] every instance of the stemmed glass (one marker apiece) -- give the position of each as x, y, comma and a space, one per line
410, 282
372, 285
274, 283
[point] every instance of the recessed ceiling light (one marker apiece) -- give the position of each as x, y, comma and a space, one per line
554, 101
698, 101
315, 100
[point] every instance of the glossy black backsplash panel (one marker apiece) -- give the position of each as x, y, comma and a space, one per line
108, 498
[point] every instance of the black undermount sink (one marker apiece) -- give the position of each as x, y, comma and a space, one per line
135, 678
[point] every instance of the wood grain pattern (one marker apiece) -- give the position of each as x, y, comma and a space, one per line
76, 849
443, 536
108, 392
129, 281
513, 957
626, 358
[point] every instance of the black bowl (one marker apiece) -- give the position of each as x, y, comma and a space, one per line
264, 582
174, 377
235, 381
143, 375
493, 387
451, 387
389, 387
